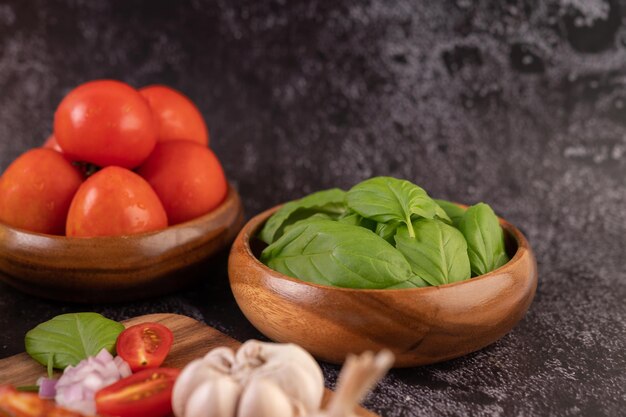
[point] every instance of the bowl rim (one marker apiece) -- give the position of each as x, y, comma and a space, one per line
231, 197
253, 225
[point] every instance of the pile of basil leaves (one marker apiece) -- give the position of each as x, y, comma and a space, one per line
384, 233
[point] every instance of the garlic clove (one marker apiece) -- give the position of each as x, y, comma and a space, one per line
183, 387
256, 354
194, 374
297, 383
216, 397
249, 355
289, 366
263, 398
221, 359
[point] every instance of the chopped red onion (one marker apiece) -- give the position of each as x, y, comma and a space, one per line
47, 387
77, 387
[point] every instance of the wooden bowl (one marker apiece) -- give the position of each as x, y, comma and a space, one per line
112, 269
421, 326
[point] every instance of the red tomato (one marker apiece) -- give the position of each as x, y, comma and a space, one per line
51, 143
115, 202
106, 123
147, 393
187, 177
145, 346
176, 116
36, 191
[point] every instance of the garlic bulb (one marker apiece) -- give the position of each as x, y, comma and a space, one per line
259, 380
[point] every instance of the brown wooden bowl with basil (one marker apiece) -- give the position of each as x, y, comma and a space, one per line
420, 325
114, 269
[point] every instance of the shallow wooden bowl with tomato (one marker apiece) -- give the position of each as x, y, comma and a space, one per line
112, 269
420, 326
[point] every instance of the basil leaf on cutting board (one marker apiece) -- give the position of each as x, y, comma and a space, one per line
70, 338
454, 212
330, 202
485, 239
387, 199
438, 252
331, 253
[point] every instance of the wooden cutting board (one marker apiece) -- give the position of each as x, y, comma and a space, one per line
192, 340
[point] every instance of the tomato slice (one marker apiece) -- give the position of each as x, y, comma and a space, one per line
147, 393
145, 345
26, 404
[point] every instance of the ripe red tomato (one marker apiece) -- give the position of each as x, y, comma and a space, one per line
115, 202
145, 345
146, 393
36, 191
187, 177
105, 123
51, 143
176, 116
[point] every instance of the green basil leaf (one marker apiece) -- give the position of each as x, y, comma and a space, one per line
318, 216
387, 199
454, 212
407, 284
485, 239
330, 202
69, 338
355, 219
387, 231
331, 253
418, 281
438, 252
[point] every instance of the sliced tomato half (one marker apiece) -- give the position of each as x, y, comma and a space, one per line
26, 404
147, 393
145, 345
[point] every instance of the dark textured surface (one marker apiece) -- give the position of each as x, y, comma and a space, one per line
518, 103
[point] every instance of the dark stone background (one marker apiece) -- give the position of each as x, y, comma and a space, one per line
518, 103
